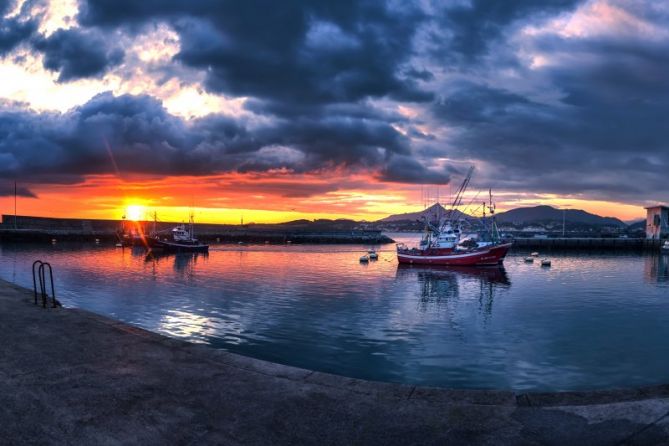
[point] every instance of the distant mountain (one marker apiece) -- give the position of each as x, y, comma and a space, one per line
433, 213
548, 213
638, 226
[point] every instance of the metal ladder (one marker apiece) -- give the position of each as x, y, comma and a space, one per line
40, 275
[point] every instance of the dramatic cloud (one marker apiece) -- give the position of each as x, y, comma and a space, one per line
467, 28
14, 30
303, 52
77, 54
603, 133
7, 189
547, 97
135, 134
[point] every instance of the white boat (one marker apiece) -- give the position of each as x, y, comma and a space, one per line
665, 246
535, 254
545, 262
529, 259
183, 240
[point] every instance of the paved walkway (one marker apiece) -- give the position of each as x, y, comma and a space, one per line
71, 377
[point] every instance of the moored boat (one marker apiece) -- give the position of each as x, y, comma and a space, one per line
442, 243
483, 256
182, 240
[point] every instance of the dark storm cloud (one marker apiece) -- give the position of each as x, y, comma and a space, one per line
405, 169
77, 54
7, 189
466, 29
15, 30
324, 80
301, 52
135, 134
607, 136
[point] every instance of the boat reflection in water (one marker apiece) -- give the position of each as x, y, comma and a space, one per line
183, 261
444, 286
656, 268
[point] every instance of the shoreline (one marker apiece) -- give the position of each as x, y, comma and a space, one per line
101, 380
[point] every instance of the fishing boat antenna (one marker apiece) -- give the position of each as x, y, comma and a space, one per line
457, 201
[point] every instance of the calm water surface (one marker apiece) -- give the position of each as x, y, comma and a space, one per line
589, 321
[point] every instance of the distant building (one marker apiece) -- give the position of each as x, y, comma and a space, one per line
657, 222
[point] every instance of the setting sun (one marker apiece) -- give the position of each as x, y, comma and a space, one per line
135, 212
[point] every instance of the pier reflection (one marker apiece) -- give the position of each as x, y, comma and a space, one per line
442, 286
656, 268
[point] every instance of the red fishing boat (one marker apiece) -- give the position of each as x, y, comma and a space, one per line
443, 244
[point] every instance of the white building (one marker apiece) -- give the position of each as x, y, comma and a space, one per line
657, 222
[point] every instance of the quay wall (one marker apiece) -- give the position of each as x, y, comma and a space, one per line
640, 244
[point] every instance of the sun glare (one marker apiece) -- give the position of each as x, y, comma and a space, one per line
134, 212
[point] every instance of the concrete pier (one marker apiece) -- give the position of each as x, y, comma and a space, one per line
589, 244
71, 377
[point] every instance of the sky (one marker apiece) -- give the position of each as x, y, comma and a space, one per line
272, 111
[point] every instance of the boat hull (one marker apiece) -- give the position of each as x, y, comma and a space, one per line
490, 255
165, 246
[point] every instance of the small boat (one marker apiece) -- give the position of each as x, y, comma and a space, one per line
535, 254
373, 255
665, 246
183, 240
529, 259
364, 259
119, 245
545, 262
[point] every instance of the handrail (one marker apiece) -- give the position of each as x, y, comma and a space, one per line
41, 276
35, 282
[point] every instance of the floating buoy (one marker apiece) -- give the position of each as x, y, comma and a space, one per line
529, 259
364, 259
545, 262
535, 254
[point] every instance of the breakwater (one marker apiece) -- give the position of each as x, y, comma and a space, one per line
41, 229
640, 244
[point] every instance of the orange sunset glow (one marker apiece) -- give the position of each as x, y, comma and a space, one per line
265, 199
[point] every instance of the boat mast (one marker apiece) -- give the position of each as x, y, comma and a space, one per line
459, 195
192, 226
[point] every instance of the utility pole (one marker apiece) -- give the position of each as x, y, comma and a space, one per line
564, 218
15, 204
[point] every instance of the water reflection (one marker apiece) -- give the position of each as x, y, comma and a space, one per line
656, 268
439, 287
183, 261
558, 328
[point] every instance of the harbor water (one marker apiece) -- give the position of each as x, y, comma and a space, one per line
590, 321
